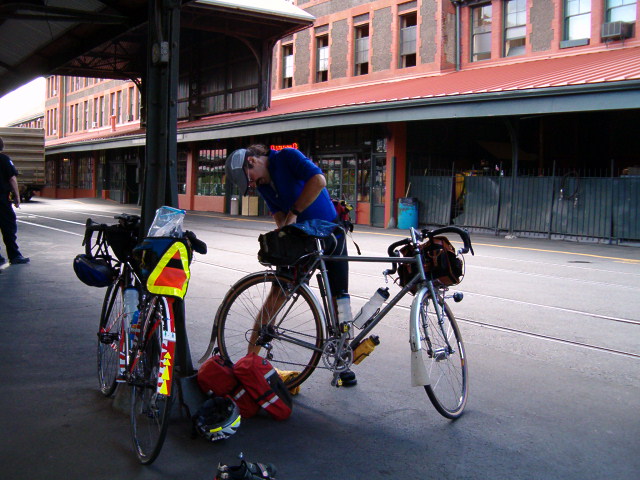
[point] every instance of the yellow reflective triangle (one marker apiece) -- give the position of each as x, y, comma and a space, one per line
165, 374
163, 389
177, 290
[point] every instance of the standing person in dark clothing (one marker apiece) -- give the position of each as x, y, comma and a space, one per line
295, 190
9, 184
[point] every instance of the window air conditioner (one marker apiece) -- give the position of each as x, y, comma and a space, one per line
616, 30
130, 118
94, 124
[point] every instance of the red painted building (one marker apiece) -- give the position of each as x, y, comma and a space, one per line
388, 97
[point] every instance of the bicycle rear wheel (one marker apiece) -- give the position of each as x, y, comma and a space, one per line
260, 309
446, 362
109, 337
149, 409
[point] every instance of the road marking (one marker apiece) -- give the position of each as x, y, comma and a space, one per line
559, 251
51, 228
56, 219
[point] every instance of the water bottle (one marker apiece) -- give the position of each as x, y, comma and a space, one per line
131, 298
344, 308
363, 349
133, 331
371, 307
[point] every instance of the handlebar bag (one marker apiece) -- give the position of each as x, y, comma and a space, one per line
121, 240
288, 245
264, 385
441, 263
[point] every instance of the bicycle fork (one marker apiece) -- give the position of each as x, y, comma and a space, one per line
419, 374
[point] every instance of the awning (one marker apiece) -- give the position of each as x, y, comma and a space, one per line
107, 39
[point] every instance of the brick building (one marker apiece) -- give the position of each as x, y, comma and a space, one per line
514, 115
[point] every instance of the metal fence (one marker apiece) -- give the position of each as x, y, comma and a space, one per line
567, 206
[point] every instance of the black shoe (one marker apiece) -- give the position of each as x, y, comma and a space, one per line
247, 471
2, 261
348, 379
19, 259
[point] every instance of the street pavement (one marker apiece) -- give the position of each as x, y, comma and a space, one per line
551, 330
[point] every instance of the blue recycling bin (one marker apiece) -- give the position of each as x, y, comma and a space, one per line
407, 213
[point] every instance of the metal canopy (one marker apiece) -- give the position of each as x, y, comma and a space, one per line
108, 38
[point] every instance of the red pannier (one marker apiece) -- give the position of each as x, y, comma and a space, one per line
264, 385
216, 376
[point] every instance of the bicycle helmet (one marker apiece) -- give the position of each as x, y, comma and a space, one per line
217, 419
95, 272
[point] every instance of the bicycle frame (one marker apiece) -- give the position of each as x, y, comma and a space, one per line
419, 374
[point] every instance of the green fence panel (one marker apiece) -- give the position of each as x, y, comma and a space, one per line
582, 207
626, 208
434, 197
481, 205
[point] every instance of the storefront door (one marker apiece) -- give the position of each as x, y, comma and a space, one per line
340, 172
378, 189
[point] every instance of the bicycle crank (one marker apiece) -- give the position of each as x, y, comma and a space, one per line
337, 358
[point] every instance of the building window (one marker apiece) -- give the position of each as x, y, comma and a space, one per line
130, 112
361, 49
515, 27
64, 173
85, 118
481, 33
103, 112
287, 66
84, 174
119, 107
621, 11
211, 172
577, 19
181, 172
408, 32
94, 124
322, 58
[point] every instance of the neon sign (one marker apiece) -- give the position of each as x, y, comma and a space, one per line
280, 147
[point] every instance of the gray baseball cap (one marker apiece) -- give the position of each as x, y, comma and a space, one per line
235, 169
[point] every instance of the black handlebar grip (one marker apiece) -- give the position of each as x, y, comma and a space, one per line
198, 245
391, 250
464, 235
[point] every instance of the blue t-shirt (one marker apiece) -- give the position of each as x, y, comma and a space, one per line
290, 170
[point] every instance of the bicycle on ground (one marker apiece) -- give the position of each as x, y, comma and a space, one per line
141, 322
295, 331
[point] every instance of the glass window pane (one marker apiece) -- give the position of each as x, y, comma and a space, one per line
626, 13
579, 27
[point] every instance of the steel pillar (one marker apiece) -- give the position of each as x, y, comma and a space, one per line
160, 176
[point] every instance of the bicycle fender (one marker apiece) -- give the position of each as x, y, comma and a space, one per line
419, 374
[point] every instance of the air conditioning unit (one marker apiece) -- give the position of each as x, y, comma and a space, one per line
94, 124
54, 131
616, 30
130, 118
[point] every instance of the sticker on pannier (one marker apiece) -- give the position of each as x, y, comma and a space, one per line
264, 385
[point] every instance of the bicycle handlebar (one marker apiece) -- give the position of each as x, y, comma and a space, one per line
198, 245
132, 223
464, 235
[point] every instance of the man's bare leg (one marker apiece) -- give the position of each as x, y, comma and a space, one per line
274, 301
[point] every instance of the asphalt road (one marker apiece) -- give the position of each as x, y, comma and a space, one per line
552, 331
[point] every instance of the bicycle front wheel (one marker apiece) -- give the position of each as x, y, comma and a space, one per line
266, 310
445, 361
149, 409
110, 338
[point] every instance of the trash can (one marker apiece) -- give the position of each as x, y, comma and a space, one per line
234, 208
407, 213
